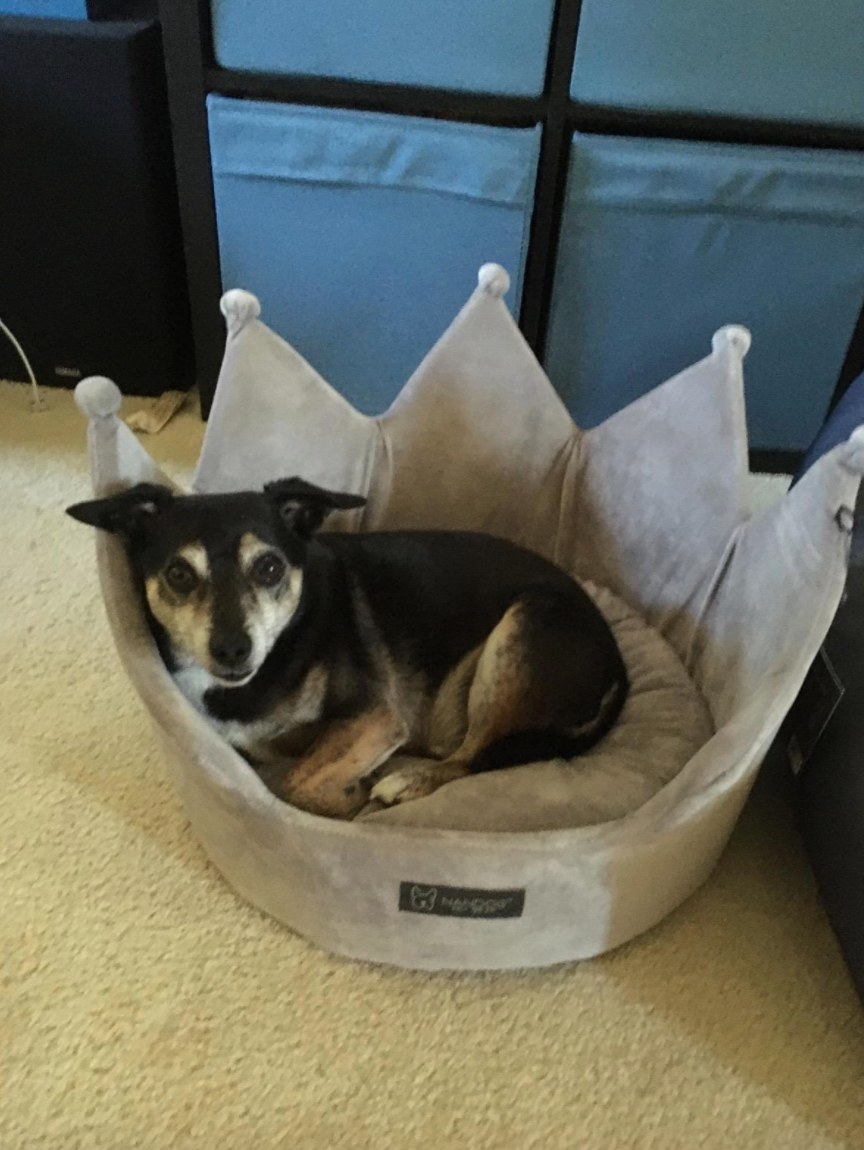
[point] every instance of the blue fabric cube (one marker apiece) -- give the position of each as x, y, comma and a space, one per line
55, 9
792, 60
359, 231
663, 242
482, 46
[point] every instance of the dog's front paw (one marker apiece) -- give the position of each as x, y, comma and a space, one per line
411, 781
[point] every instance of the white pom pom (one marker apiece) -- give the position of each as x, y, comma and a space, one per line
494, 280
853, 452
734, 336
239, 307
98, 397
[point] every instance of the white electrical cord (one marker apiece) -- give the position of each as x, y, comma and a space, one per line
37, 403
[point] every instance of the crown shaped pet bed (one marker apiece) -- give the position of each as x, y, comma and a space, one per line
718, 617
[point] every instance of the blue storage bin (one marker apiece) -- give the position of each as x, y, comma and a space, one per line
481, 46
75, 9
663, 242
360, 232
55, 9
793, 60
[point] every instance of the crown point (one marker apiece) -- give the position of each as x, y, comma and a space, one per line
734, 336
853, 452
239, 307
494, 280
98, 397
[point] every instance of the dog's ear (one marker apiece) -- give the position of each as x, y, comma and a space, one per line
122, 513
304, 507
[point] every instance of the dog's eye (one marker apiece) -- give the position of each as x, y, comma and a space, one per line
180, 576
268, 570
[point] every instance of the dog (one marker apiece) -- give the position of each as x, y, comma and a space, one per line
332, 651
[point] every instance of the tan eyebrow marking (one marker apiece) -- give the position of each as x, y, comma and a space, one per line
196, 556
250, 548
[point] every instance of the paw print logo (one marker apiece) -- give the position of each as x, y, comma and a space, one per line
423, 898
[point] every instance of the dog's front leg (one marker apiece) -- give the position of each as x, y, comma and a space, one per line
327, 780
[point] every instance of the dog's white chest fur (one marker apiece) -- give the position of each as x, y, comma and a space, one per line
301, 706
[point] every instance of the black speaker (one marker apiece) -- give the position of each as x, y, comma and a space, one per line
92, 276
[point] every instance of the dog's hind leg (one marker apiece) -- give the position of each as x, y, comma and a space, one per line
494, 697
547, 683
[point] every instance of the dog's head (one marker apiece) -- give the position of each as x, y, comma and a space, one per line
222, 574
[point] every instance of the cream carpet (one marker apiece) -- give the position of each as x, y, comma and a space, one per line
143, 1005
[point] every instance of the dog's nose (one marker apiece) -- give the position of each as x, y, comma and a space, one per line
231, 650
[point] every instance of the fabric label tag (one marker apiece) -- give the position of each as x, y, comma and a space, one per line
811, 712
460, 902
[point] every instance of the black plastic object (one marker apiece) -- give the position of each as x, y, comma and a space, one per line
92, 277
828, 789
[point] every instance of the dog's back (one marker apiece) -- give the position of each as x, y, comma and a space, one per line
436, 595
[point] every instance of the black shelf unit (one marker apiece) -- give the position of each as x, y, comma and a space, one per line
193, 73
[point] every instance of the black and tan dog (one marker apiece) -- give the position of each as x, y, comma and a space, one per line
333, 651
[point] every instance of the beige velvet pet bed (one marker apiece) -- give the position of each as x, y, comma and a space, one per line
719, 617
